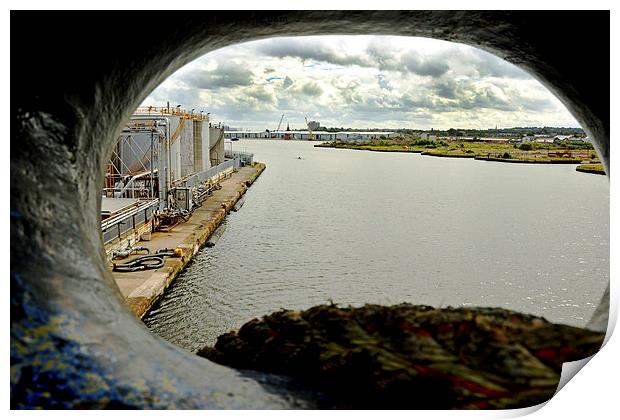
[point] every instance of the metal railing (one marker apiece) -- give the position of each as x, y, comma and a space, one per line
116, 227
156, 110
245, 158
214, 174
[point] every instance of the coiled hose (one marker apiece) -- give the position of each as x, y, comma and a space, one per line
147, 262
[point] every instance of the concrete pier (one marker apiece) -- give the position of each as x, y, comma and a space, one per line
141, 289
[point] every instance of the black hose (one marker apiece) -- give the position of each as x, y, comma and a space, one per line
147, 262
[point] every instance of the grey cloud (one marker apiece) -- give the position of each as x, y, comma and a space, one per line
311, 89
490, 65
226, 75
288, 82
437, 98
446, 89
305, 50
424, 66
412, 103
536, 104
383, 82
383, 55
262, 97
477, 63
486, 99
456, 84
183, 96
377, 55
466, 95
341, 83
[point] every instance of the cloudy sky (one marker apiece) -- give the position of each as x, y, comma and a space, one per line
361, 82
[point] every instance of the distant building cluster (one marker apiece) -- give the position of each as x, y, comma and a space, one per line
305, 135
537, 138
543, 138
432, 135
427, 136
314, 125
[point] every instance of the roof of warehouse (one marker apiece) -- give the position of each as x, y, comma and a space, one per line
306, 132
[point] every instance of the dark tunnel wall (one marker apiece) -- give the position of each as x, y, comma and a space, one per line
77, 76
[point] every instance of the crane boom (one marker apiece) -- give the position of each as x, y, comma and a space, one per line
310, 135
280, 123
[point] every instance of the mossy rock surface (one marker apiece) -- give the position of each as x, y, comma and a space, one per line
411, 356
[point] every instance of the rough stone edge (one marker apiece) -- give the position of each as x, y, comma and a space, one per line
140, 306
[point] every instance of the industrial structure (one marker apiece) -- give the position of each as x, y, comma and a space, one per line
307, 135
312, 126
162, 166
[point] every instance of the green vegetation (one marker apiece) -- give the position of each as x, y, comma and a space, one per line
514, 132
592, 168
376, 146
495, 151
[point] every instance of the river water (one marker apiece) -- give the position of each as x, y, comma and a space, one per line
357, 227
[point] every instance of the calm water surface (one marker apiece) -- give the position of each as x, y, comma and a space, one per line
355, 227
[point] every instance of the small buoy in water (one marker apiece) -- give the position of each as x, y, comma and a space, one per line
299, 157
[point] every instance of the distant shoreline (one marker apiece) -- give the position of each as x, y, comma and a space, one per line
490, 153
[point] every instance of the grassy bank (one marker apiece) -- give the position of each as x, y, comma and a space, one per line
592, 168
500, 152
398, 148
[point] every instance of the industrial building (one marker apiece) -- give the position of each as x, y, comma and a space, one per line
162, 166
306, 135
279, 134
364, 135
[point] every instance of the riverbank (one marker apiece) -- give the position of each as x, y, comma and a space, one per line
372, 148
142, 289
591, 168
495, 152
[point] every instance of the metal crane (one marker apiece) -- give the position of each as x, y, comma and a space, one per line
279, 124
310, 134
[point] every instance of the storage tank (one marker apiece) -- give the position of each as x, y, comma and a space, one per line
201, 145
176, 127
187, 148
216, 145
189, 142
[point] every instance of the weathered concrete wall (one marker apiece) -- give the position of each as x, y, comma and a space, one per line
73, 341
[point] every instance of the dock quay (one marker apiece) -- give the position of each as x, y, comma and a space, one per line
168, 184
142, 289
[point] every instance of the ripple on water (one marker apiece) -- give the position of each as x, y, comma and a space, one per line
367, 227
